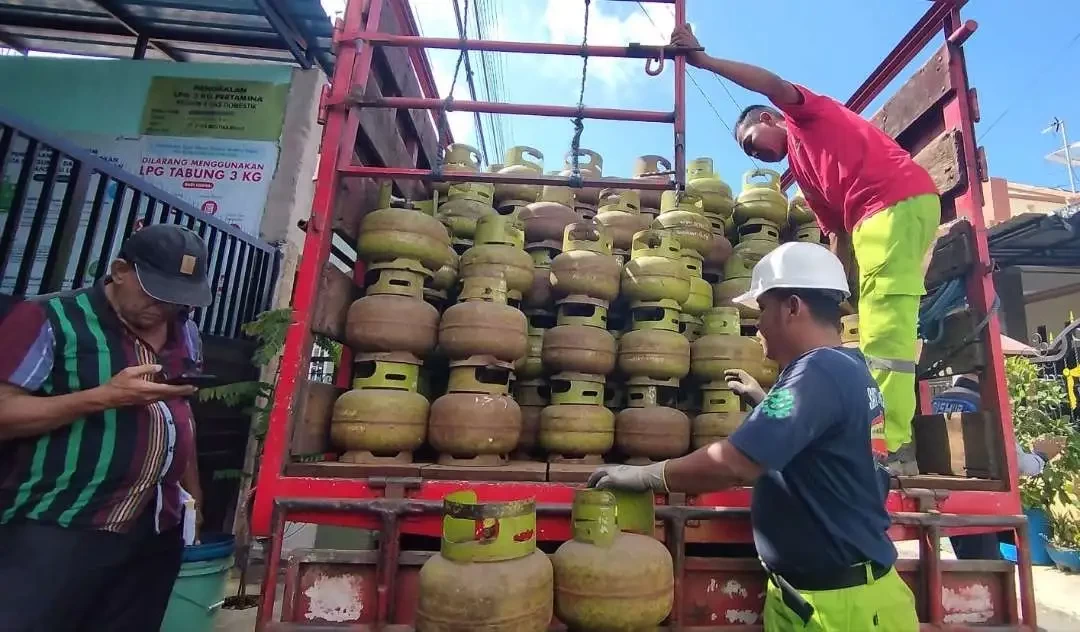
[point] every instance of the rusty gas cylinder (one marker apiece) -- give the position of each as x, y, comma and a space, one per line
532, 397
488, 575
719, 251
498, 249
721, 415
547, 218
761, 197
374, 425
460, 158
618, 212
520, 161
386, 322
651, 434
576, 426
585, 267
483, 324
474, 428
465, 204
579, 349
654, 353
649, 168
721, 349
392, 233
542, 253
704, 182
683, 217
531, 365
605, 579
700, 298
654, 272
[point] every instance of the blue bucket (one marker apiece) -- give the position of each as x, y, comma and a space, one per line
1038, 527
199, 591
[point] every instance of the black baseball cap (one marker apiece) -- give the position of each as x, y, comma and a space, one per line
170, 262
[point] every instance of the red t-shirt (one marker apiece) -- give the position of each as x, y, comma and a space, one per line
847, 168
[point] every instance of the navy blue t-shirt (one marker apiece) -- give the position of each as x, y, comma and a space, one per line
820, 505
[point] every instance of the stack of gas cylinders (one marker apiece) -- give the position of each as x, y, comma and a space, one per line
515, 322
489, 574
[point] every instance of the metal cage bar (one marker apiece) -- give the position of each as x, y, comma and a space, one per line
390, 513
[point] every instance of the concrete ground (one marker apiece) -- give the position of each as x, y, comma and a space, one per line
1057, 596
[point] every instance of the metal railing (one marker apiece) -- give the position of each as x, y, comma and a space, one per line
65, 212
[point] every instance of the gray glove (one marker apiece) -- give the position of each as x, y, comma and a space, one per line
741, 382
635, 478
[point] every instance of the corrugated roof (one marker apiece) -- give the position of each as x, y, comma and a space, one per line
275, 31
1037, 239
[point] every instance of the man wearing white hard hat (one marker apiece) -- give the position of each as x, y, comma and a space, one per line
812, 448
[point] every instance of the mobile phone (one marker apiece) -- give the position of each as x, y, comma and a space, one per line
198, 380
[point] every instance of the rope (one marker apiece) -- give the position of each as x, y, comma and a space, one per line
579, 118
448, 102
935, 307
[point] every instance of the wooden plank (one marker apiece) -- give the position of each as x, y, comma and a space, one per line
925, 89
311, 433
357, 197
335, 294
570, 472
959, 444
335, 469
400, 72
380, 142
514, 471
943, 158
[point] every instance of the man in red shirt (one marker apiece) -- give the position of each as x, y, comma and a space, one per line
869, 196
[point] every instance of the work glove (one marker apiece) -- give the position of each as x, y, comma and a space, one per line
634, 478
744, 385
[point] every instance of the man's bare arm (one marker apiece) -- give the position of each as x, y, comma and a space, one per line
753, 78
25, 415
716, 466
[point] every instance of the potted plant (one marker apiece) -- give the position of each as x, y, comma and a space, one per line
1063, 545
1039, 409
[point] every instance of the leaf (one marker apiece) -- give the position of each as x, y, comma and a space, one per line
235, 394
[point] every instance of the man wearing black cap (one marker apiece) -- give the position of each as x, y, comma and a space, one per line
94, 446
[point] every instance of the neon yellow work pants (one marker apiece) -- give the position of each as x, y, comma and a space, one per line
889, 248
883, 605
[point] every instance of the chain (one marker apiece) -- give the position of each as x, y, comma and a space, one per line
448, 103
579, 118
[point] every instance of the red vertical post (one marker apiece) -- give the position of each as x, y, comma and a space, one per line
337, 145
680, 102
980, 283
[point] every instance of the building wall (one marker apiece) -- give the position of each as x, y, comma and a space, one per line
1004, 200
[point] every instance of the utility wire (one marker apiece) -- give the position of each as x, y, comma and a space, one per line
1032, 80
701, 90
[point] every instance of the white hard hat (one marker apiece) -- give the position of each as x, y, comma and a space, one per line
796, 265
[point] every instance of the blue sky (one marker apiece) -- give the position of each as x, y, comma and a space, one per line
1017, 60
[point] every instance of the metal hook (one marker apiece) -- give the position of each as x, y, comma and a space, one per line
654, 65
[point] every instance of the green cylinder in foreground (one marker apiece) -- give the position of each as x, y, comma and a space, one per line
606, 580
489, 575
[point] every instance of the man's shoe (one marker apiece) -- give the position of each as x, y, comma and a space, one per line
901, 462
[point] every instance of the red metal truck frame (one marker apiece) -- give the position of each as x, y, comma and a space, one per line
367, 503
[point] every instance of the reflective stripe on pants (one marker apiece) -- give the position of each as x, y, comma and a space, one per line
883, 605
890, 247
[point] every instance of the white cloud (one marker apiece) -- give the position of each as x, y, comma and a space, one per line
564, 20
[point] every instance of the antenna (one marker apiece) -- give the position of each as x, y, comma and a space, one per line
1065, 153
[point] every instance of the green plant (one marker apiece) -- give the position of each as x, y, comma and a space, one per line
256, 397
1039, 408
1065, 529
